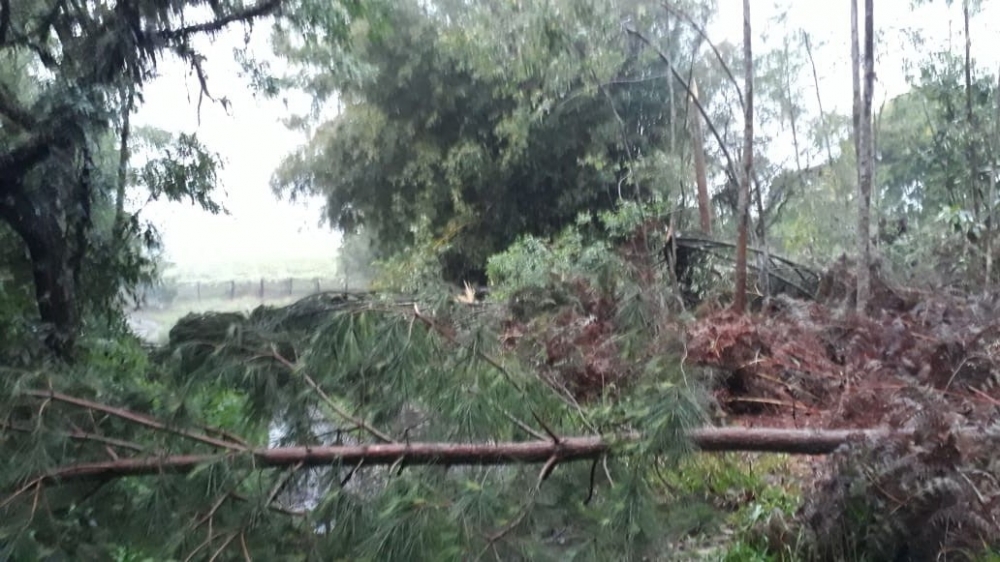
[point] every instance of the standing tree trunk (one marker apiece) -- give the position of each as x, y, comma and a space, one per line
971, 137
863, 146
740, 298
970, 146
990, 219
701, 176
41, 226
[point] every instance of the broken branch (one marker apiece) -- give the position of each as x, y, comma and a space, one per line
789, 441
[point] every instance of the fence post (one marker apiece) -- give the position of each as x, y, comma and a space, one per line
316, 280
232, 289
261, 288
290, 282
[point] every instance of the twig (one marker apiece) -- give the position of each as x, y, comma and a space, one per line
552, 434
593, 479
491, 361
730, 163
225, 544
718, 56
280, 484
547, 469
350, 474
329, 402
133, 417
20, 491
80, 435
525, 427
243, 547
273, 506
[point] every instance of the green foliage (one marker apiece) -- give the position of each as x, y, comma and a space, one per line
257, 376
472, 140
531, 263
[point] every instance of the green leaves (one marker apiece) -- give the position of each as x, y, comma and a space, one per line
474, 138
182, 169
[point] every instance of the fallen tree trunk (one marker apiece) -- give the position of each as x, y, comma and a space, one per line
791, 441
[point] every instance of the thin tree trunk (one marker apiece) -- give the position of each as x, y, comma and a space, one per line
970, 119
792, 117
856, 83
740, 298
566, 449
128, 102
993, 189
862, 143
700, 173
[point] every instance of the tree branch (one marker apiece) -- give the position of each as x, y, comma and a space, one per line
701, 32
263, 8
789, 441
730, 163
134, 418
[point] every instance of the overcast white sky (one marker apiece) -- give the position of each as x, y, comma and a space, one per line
252, 140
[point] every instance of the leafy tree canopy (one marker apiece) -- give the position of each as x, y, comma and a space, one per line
71, 74
480, 122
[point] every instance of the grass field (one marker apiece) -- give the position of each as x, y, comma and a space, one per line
233, 286
223, 271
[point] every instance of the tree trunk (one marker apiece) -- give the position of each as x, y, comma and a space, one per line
740, 298
979, 206
863, 147
722, 439
128, 103
51, 264
990, 219
701, 176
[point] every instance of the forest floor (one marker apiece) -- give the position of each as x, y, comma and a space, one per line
919, 360
817, 364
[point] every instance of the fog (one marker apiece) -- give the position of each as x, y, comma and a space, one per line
252, 140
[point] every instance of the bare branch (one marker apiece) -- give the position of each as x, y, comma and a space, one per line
730, 163
789, 441
701, 32
79, 435
358, 422
135, 418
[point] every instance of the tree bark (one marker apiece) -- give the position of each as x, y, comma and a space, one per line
700, 173
863, 148
970, 118
990, 219
788, 441
740, 298
36, 218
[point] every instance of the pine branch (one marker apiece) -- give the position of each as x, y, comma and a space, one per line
358, 422
134, 418
79, 435
789, 441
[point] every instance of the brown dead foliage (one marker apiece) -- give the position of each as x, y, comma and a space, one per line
573, 341
817, 364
